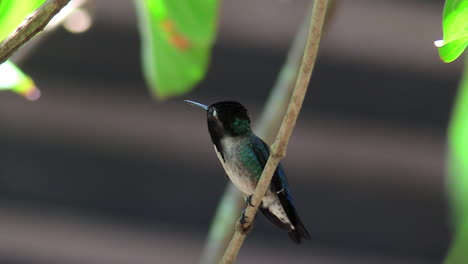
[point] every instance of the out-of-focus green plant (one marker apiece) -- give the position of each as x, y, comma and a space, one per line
12, 78
455, 30
13, 12
177, 36
458, 174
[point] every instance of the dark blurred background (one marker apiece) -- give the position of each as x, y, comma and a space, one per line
96, 171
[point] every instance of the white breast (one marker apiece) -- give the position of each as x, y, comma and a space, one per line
244, 183
232, 166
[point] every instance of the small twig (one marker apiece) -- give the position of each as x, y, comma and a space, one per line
267, 128
277, 104
278, 149
32, 25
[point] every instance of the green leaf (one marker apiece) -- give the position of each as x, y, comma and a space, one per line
177, 36
455, 30
13, 12
12, 78
458, 174
451, 51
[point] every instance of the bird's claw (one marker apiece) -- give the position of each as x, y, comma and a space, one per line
243, 218
243, 225
248, 200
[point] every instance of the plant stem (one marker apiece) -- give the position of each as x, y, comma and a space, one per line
278, 149
32, 25
267, 127
277, 104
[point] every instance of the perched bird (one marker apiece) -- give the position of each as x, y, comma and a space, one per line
243, 156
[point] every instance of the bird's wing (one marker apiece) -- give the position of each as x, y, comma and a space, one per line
279, 183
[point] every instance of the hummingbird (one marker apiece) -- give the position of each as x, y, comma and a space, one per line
244, 156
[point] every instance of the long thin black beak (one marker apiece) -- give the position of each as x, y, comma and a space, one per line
196, 104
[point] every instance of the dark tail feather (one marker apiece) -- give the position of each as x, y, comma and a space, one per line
299, 233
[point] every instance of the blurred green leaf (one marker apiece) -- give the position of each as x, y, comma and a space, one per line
12, 78
458, 174
455, 30
177, 36
13, 12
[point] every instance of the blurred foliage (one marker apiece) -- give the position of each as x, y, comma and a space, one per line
455, 30
13, 12
458, 173
177, 36
12, 78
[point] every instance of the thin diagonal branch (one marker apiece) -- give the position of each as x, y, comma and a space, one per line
278, 149
267, 128
32, 25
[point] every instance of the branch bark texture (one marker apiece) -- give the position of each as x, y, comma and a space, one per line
278, 149
32, 25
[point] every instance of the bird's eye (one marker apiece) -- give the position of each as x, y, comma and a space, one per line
212, 113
